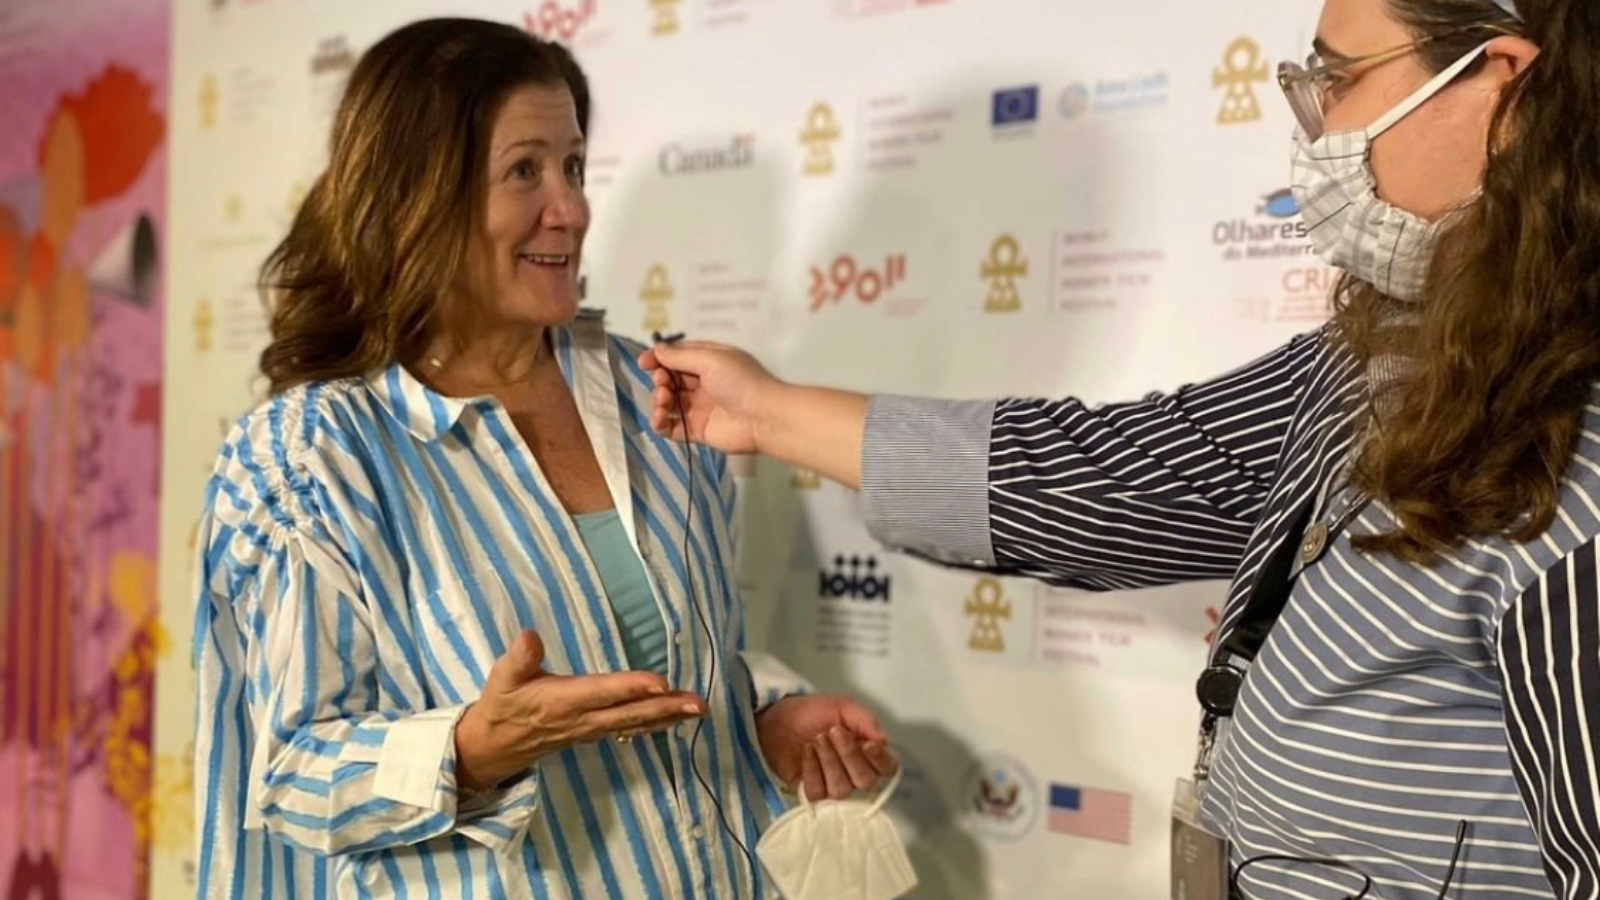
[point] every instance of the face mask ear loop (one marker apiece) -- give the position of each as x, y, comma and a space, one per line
1424, 93
887, 791
805, 802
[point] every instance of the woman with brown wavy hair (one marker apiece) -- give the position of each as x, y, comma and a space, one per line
466, 626
1404, 692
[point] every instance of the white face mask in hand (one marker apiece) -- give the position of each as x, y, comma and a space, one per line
1349, 225
838, 850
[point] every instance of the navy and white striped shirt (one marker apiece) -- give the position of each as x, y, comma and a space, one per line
1390, 702
369, 548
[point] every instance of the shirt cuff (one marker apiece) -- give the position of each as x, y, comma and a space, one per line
925, 477
771, 680
416, 765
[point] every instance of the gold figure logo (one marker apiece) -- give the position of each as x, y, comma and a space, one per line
822, 129
1004, 266
666, 17
204, 322
988, 607
805, 480
1241, 70
656, 294
208, 101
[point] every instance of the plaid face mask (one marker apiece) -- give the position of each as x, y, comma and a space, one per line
1349, 226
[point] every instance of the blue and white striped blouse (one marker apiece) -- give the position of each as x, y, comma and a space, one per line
369, 548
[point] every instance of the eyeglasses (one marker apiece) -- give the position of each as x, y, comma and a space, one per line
1310, 86
1366, 880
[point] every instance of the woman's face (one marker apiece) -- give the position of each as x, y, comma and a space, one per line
526, 254
1432, 160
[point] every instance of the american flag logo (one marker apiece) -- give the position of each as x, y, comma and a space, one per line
1091, 813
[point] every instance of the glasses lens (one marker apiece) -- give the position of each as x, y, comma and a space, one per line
1304, 96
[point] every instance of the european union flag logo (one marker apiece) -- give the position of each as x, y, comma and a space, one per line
1015, 106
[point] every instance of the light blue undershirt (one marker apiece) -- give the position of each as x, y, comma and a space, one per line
644, 632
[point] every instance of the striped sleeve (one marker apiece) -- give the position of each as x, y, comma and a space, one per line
288, 669
1122, 496
1549, 652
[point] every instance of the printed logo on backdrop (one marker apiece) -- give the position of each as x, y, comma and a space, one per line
1014, 111
332, 56
1002, 269
248, 96
858, 283
330, 65
1079, 631
988, 608
1075, 101
1097, 270
666, 17
726, 297
1278, 233
210, 95
1300, 284
854, 578
1114, 96
818, 137
205, 322
899, 130
1275, 231
854, 616
558, 21
1091, 813
1002, 799
737, 153
1241, 70
656, 293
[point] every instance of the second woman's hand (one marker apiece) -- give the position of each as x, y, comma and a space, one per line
722, 397
710, 393
525, 713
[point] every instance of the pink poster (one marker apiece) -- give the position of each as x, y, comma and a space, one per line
82, 219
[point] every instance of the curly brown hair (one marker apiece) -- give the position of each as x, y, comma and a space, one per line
1479, 431
383, 234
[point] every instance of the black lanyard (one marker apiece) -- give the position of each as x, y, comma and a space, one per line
1218, 687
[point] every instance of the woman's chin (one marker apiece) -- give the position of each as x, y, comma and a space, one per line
550, 305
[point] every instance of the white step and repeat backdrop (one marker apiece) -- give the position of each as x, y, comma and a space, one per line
953, 197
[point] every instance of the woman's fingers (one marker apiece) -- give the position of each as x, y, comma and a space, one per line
578, 694
882, 760
811, 773
640, 717
857, 768
834, 774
